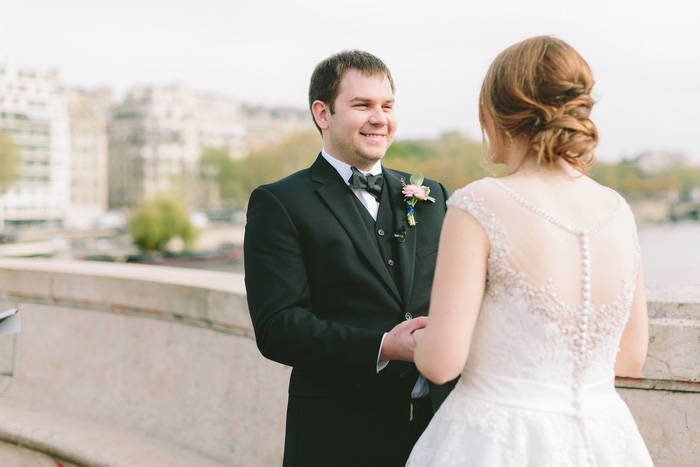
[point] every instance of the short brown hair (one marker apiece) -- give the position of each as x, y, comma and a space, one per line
540, 88
326, 78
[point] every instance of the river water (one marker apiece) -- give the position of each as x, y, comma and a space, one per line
671, 252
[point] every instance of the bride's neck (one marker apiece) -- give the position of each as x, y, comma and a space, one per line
522, 160
560, 168
519, 156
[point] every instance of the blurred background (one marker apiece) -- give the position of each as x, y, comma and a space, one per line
134, 131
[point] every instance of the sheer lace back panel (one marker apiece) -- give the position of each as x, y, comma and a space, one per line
560, 281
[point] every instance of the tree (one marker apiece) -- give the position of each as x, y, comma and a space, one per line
270, 164
9, 159
236, 179
453, 160
158, 221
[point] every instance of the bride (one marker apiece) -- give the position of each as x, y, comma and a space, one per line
538, 300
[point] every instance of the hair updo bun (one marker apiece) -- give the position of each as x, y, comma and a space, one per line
540, 89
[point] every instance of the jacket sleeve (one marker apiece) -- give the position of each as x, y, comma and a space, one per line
279, 299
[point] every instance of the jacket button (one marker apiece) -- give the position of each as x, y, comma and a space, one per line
380, 232
390, 262
408, 316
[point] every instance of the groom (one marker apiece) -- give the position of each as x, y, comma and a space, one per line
337, 279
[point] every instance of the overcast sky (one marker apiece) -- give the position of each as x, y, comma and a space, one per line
645, 54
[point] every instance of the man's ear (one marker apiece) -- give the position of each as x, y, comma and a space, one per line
322, 113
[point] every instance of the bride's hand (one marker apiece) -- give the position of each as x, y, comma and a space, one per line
418, 335
398, 343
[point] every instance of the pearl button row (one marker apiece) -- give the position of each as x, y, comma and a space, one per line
586, 292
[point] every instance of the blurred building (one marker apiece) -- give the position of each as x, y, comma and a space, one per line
81, 154
153, 144
88, 112
34, 114
267, 126
158, 133
221, 124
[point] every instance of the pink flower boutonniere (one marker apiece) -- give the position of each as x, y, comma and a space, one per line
413, 193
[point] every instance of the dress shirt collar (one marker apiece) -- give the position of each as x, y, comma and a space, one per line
344, 169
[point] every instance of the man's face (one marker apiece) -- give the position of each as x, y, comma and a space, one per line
362, 126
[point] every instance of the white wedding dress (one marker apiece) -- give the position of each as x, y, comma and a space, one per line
538, 387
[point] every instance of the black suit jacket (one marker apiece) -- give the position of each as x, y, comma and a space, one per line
321, 294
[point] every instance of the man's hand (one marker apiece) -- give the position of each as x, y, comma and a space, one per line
398, 343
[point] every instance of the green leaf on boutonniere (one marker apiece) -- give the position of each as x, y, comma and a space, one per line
417, 179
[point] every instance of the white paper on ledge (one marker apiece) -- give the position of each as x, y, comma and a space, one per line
9, 322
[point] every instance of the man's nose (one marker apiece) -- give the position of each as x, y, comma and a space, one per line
378, 117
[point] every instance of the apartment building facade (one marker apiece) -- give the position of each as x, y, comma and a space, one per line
158, 134
152, 144
34, 114
82, 154
88, 112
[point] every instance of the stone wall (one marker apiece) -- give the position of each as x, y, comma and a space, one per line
665, 398
145, 365
136, 365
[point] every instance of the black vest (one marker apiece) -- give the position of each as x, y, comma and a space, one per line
382, 231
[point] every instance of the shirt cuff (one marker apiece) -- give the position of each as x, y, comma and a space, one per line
381, 365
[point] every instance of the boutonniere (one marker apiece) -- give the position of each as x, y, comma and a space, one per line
414, 192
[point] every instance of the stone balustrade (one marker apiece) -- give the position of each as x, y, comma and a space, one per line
139, 365
665, 398
136, 365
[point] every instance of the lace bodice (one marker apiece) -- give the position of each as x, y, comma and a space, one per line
558, 295
538, 386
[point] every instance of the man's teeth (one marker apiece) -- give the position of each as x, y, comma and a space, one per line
373, 136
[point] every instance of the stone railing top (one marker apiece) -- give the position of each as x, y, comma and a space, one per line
212, 299
170, 275
666, 292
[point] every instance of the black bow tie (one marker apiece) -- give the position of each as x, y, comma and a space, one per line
371, 183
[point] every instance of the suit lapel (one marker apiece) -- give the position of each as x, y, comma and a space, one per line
407, 245
337, 196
